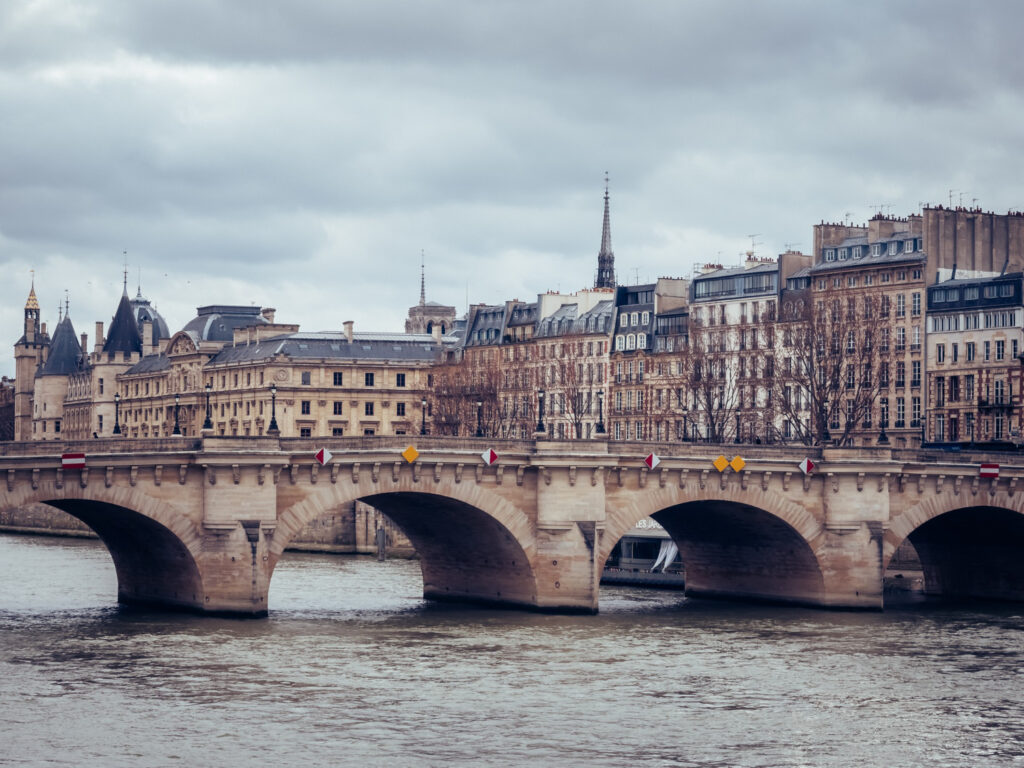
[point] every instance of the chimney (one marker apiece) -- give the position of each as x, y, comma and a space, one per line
147, 337
347, 325
99, 337
268, 314
436, 333
85, 344
43, 329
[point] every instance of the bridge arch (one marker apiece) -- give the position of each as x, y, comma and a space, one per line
155, 548
473, 545
970, 545
734, 542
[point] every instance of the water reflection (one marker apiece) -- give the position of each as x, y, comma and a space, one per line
352, 667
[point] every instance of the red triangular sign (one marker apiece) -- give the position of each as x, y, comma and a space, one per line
489, 456
652, 460
806, 466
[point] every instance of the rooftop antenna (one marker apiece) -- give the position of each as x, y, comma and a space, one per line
754, 243
636, 276
790, 246
961, 199
125, 272
951, 196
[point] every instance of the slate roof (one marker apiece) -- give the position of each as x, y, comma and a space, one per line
217, 322
334, 346
735, 271
882, 260
123, 335
143, 310
150, 364
563, 321
65, 355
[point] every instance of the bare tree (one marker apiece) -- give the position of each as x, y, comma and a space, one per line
830, 379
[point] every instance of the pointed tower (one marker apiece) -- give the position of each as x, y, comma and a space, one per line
29, 353
605, 258
428, 316
124, 336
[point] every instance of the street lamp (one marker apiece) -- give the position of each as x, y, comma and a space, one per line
686, 426
600, 411
177, 404
540, 410
272, 429
117, 413
423, 416
737, 428
208, 424
479, 418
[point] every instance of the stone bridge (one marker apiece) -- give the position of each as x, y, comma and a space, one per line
201, 523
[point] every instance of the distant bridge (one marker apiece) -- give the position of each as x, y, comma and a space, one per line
201, 523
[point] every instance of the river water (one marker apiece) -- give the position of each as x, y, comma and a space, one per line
353, 668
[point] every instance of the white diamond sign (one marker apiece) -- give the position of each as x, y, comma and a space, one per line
806, 466
489, 456
323, 456
652, 460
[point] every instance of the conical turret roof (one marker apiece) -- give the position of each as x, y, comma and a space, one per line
65, 352
124, 332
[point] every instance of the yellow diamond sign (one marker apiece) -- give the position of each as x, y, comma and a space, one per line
721, 463
737, 463
410, 454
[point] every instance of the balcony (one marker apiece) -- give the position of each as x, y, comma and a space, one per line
915, 347
986, 404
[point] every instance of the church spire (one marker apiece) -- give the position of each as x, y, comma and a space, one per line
605, 258
32, 302
423, 280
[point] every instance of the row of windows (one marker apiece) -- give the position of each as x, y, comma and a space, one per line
853, 281
627, 319
973, 321
971, 351
305, 408
631, 341
944, 295
891, 248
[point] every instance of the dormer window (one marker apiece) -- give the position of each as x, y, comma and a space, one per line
844, 254
876, 249
894, 248
830, 254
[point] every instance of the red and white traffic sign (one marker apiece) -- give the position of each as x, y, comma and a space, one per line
989, 470
72, 460
323, 456
806, 466
489, 456
652, 460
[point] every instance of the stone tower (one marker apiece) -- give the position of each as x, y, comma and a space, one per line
29, 353
605, 258
428, 315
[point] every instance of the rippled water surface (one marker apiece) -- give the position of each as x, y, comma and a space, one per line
353, 668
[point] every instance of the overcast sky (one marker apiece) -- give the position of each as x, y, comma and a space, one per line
302, 154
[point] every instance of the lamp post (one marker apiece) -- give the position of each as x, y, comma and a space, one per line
479, 418
208, 424
117, 413
686, 426
273, 429
177, 404
423, 416
737, 428
600, 411
540, 410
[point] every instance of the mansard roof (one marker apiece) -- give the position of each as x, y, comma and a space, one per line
402, 347
123, 335
143, 311
217, 322
65, 352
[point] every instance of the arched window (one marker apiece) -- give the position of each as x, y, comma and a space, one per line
631, 341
